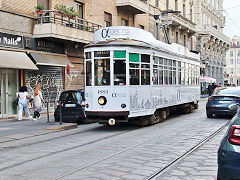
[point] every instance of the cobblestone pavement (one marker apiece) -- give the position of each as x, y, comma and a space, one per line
116, 152
199, 165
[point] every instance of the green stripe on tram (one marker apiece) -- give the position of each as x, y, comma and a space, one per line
133, 57
119, 54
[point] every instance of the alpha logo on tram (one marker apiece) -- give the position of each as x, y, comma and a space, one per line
107, 33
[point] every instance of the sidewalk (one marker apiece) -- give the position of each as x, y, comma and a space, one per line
12, 128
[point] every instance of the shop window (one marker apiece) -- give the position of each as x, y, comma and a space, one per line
125, 22
107, 19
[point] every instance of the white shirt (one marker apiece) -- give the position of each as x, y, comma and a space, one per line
23, 95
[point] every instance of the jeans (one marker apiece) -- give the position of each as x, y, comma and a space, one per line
36, 114
23, 104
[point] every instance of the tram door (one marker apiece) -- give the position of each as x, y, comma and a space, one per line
3, 92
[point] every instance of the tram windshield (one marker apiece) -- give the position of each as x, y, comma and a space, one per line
102, 72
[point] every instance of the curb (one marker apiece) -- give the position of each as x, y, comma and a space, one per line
63, 127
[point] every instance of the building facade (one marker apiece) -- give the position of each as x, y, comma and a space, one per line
211, 42
52, 41
232, 69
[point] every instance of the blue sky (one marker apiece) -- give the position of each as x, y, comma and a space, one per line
232, 14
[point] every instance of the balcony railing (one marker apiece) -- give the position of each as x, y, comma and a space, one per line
50, 16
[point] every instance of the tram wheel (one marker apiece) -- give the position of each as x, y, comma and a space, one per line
164, 114
191, 108
155, 118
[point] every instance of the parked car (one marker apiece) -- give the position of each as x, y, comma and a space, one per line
72, 106
220, 100
229, 150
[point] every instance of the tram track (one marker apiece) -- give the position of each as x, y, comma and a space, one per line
141, 143
186, 153
63, 150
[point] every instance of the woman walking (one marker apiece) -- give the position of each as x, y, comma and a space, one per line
37, 102
23, 102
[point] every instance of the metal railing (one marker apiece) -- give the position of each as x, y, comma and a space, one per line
51, 16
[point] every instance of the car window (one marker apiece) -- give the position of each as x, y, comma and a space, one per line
68, 96
72, 96
229, 91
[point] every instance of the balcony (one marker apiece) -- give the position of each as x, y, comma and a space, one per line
133, 6
210, 30
50, 24
180, 22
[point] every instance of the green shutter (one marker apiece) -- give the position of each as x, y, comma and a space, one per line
133, 57
119, 54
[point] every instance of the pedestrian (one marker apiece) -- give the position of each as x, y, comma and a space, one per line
23, 102
209, 89
37, 102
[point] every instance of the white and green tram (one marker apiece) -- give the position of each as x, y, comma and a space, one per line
129, 75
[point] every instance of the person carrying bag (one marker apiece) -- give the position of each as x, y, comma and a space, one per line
37, 102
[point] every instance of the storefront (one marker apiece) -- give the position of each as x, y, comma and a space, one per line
10, 64
50, 75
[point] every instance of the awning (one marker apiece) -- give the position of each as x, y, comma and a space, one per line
51, 59
16, 60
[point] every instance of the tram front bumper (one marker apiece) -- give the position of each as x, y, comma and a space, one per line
104, 116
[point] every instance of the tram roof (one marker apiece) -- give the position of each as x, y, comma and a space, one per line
130, 36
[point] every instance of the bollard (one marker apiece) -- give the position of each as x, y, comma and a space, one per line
60, 120
48, 113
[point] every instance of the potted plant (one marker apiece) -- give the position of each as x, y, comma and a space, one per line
39, 9
62, 10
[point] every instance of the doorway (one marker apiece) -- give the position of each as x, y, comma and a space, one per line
8, 90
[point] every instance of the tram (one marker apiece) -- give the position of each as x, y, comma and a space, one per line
131, 76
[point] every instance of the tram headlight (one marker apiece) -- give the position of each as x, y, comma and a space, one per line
102, 100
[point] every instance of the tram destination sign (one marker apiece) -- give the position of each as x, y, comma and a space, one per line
101, 53
10, 40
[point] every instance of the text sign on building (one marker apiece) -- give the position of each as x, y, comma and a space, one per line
10, 40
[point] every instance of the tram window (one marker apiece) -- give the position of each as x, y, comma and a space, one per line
170, 76
133, 65
160, 75
156, 59
174, 77
119, 72
155, 76
119, 54
145, 66
186, 74
165, 75
134, 76
174, 64
145, 77
133, 57
88, 73
88, 55
155, 66
179, 77
183, 73
165, 62
145, 58
102, 72
160, 60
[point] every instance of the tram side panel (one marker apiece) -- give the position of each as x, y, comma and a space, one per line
145, 100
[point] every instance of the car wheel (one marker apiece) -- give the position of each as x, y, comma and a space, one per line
209, 115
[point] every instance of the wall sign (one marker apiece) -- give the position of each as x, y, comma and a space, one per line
10, 40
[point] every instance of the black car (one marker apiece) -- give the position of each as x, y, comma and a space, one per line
72, 106
218, 103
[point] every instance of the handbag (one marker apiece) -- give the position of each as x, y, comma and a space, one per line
16, 101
